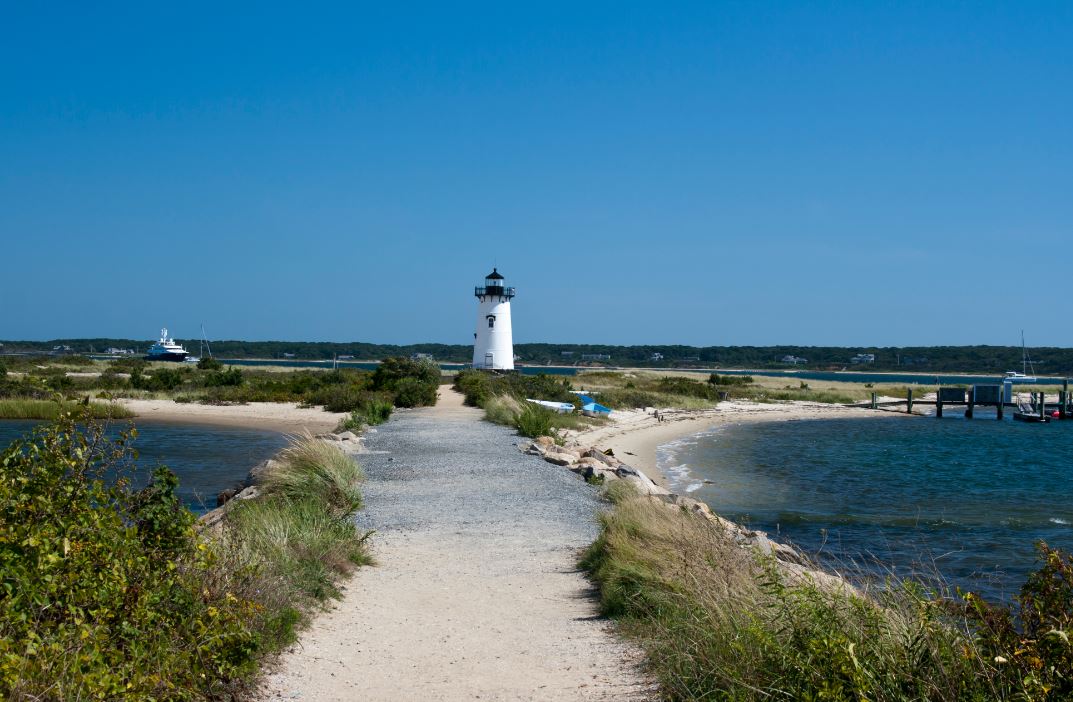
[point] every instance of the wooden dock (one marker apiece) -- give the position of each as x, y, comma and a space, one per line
982, 396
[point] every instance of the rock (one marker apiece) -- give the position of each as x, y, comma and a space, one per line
560, 459
224, 496
348, 436
260, 471
328, 437
607, 460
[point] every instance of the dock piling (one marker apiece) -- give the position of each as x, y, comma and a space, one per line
875, 400
972, 403
909, 401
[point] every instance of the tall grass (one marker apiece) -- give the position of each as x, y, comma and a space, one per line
52, 409
719, 622
298, 536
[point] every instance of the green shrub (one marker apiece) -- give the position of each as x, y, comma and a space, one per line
411, 392
231, 377
208, 363
104, 591
534, 421
725, 380
3, 370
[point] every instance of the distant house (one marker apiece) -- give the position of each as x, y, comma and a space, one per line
113, 351
794, 360
863, 358
421, 357
566, 354
656, 357
61, 350
346, 357
595, 357
288, 355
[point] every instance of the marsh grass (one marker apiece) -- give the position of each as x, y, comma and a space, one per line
53, 409
719, 622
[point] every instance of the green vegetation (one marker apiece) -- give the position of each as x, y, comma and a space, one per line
503, 398
108, 592
918, 359
52, 409
719, 622
399, 382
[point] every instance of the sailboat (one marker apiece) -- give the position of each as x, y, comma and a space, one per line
1026, 363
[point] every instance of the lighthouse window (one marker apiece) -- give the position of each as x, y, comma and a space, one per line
491, 321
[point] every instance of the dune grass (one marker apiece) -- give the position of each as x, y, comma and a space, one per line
720, 622
53, 409
298, 536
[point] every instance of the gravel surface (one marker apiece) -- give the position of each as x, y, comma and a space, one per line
476, 595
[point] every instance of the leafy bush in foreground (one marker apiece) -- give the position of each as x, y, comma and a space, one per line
102, 588
109, 593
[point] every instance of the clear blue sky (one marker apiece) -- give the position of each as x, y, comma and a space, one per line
709, 173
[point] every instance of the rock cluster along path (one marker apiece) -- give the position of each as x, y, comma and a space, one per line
476, 594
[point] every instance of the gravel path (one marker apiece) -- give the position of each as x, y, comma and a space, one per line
476, 595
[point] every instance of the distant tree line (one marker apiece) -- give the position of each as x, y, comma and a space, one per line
914, 359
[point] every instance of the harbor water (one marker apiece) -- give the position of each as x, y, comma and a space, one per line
207, 459
965, 499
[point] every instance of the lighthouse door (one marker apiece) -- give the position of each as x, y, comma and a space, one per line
488, 360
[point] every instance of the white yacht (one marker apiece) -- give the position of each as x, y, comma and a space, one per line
166, 349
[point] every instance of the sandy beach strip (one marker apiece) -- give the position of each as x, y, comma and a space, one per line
635, 435
288, 418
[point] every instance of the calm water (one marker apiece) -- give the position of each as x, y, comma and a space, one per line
966, 497
207, 459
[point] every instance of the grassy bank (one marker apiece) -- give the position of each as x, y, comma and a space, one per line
51, 409
108, 592
719, 622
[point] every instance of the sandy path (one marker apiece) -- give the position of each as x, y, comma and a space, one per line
476, 595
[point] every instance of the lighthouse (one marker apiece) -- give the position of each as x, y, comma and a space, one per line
493, 346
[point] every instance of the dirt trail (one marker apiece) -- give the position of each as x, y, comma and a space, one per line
476, 595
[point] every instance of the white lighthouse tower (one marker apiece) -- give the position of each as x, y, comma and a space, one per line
493, 346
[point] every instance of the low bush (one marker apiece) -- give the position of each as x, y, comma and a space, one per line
109, 593
208, 363
534, 421
411, 392
103, 588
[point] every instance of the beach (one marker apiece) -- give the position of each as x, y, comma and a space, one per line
288, 418
635, 435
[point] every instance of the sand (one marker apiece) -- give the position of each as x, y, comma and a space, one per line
288, 418
635, 435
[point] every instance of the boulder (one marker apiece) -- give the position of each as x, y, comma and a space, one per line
328, 437
560, 459
607, 460
544, 442
225, 495
348, 436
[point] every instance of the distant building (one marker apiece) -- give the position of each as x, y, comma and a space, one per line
346, 357
794, 360
595, 357
113, 351
421, 357
288, 355
566, 354
656, 357
863, 358
61, 350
